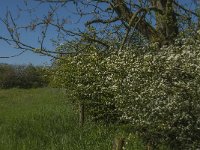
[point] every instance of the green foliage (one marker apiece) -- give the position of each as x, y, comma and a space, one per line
83, 77
21, 76
154, 90
7, 76
159, 93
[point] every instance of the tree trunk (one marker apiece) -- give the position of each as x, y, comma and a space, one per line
125, 14
166, 29
166, 22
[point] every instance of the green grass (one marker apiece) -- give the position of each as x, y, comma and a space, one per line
43, 119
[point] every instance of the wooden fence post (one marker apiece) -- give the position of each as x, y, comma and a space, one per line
81, 114
118, 143
149, 147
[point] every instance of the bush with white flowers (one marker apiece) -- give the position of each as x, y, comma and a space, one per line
83, 76
159, 91
155, 90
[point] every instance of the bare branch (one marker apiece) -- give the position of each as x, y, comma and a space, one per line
16, 55
102, 21
185, 9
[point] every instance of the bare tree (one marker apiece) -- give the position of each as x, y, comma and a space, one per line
107, 23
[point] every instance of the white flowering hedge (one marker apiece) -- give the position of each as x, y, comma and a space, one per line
159, 91
83, 76
156, 91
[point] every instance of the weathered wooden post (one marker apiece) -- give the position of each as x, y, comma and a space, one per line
81, 114
119, 143
149, 146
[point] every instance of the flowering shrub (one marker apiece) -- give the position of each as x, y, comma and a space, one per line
155, 90
83, 76
159, 91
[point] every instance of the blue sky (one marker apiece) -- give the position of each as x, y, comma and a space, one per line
31, 38
28, 37
6, 50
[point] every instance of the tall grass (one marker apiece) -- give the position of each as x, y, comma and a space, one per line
43, 119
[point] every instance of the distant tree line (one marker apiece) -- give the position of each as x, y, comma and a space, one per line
21, 76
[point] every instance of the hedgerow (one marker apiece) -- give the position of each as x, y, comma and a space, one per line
84, 78
154, 90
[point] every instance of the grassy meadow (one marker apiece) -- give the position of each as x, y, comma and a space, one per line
44, 119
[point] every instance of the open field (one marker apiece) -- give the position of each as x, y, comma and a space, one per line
40, 119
